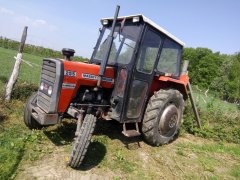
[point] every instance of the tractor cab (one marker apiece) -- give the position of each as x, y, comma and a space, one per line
140, 51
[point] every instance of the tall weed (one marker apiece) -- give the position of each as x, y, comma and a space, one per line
217, 124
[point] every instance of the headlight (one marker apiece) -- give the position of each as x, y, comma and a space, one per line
50, 89
136, 19
41, 86
105, 22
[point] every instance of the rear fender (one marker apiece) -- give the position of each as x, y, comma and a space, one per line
164, 82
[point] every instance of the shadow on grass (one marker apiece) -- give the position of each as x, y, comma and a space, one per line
2, 117
3, 113
113, 130
13, 169
65, 133
62, 134
95, 154
4, 79
22, 91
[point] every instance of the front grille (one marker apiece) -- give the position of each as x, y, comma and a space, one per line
50, 76
44, 101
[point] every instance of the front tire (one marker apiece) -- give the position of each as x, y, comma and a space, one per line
82, 141
30, 122
162, 117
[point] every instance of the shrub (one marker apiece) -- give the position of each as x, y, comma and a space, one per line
23, 90
216, 124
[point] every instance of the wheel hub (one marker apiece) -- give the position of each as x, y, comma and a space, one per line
168, 121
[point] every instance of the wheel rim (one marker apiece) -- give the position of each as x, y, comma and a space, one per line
169, 120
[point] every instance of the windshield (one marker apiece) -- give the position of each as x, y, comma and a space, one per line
123, 44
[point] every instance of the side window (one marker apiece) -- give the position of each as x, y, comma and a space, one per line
148, 52
100, 51
126, 52
169, 58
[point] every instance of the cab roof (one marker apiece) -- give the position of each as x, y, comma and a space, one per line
151, 23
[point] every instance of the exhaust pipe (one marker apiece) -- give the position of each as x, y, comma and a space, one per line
108, 49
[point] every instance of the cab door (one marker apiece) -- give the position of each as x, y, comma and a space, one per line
142, 75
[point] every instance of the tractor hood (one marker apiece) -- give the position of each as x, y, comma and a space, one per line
78, 74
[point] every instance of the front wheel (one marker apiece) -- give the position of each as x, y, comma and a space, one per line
28, 119
163, 117
82, 141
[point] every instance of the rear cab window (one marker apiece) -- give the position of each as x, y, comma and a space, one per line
170, 56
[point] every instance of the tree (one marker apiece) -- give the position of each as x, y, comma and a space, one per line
227, 84
234, 79
204, 65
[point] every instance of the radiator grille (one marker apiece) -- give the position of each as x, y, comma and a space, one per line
49, 76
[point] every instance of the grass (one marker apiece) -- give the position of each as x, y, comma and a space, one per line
188, 157
14, 138
204, 101
235, 172
216, 124
231, 149
11, 151
213, 158
28, 74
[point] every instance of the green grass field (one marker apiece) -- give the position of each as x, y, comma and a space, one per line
33, 154
27, 73
210, 100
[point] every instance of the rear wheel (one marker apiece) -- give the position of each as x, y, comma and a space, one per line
28, 119
163, 117
82, 141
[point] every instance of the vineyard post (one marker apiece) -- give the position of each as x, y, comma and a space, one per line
14, 76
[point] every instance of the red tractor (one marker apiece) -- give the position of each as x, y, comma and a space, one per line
133, 77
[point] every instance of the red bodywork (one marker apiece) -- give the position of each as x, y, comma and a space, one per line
78, 80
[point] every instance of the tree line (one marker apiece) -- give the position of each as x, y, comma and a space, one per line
217, 72
35, 50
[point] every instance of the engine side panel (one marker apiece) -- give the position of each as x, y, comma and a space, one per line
78, 74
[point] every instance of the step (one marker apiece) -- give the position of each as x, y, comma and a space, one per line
131, 133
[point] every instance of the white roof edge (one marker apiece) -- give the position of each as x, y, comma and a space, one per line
150, 22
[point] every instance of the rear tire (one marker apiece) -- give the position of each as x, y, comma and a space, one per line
82, 141
28, 119
163, 117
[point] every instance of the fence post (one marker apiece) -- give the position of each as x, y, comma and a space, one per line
194, 105
14, 76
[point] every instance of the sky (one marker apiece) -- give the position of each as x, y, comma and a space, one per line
57, 24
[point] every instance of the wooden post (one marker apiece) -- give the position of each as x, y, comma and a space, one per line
190, 94
14, 76
185, 67
194, 106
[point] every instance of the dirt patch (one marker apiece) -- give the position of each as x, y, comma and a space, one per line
54, 166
